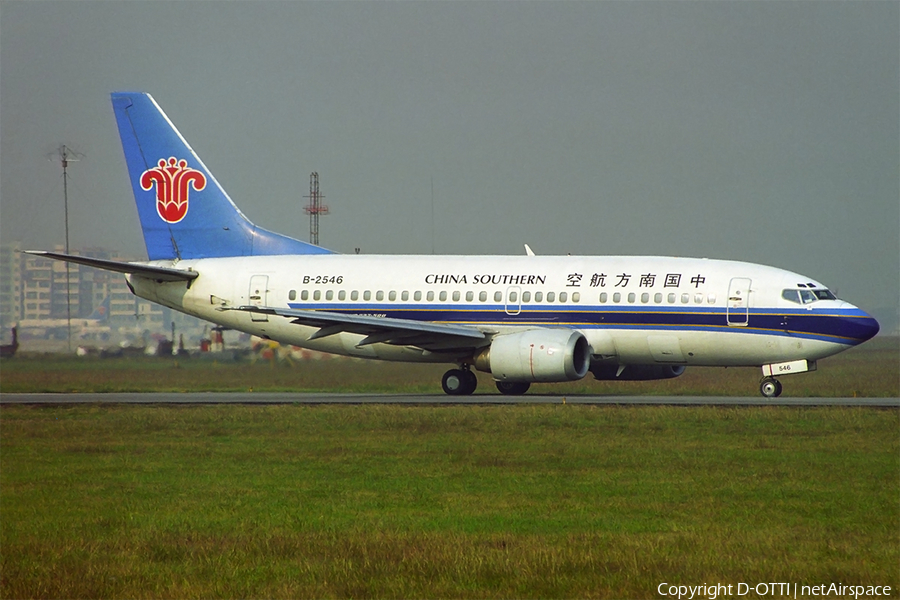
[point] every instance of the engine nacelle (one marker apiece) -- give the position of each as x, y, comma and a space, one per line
546, 355
603, 372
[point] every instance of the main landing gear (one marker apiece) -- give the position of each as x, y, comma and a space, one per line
770, 387
459, 382
462, 382
513, 388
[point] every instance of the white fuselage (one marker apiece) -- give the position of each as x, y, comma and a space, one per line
631, 309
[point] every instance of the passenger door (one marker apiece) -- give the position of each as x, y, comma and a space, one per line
737, 308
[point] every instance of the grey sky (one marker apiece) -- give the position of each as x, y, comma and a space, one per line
765, 132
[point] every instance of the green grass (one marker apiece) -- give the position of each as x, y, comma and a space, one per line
870, 370
442, 502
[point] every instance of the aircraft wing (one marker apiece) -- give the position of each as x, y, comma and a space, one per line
148, 271
402, 332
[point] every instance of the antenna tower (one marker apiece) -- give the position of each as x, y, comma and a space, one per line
65, 155
314, 208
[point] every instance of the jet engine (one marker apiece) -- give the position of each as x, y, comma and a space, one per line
546, 355
603, 371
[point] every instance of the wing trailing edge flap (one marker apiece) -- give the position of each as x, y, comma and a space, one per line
386, 330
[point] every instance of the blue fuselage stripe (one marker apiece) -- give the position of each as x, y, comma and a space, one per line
845, 327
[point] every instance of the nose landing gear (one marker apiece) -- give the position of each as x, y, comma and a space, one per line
770, 387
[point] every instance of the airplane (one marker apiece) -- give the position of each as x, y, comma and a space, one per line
523, 319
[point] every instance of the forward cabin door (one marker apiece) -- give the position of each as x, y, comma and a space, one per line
259, 292
738, 307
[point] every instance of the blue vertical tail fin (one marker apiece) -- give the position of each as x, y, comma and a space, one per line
184, 212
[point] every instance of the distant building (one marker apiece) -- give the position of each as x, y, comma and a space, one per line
33, 288
37, 285
10, 284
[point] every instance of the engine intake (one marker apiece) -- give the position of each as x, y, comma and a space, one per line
545, 355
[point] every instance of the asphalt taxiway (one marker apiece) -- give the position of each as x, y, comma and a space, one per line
436, 399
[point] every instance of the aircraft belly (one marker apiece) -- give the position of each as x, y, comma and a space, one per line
665, 348
710, 348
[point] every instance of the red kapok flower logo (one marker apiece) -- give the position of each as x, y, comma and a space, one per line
173, 179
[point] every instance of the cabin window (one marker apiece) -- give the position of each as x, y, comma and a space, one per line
304, 295
711, 298
538, 296
657, 298
470, 296
513, 297
392, 295
645, 297
482, 297
367, 295
443, 296
342, 295
292, 295
617, 297
417, 296
576, 297
631, 297
456, 296
404, 295
671, 298
430, 296
329, 295
379, 295
526, 296
354, 295
685, 298
603, 297
498, 296
563, 296
698, 298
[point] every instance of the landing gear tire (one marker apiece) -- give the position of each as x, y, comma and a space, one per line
513, 388
770, 387
471, 382
459, 382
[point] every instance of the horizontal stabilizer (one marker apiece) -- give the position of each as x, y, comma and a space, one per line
148, 271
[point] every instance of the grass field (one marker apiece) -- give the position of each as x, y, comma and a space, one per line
553, 501
870, 370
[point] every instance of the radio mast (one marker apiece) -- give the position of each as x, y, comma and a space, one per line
65, 155
314, 208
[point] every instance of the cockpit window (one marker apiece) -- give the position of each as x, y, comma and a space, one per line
806, 296
791, 296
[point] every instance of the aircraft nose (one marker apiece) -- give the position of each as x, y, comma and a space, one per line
862, 326
870, 327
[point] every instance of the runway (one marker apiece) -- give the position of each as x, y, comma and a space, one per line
436, 399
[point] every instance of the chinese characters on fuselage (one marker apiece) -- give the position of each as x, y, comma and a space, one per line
573, 280
644, 280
